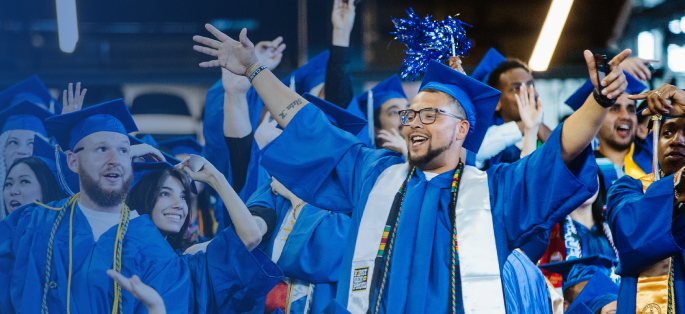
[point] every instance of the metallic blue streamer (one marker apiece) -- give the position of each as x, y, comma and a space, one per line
429, 40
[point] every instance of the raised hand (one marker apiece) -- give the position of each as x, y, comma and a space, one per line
144, 293
73, 100
147, 151
207, 173
667, 100
235, 56
455, 64
615, 82
267, 131
342, 18
638, 67
394, 141
530, 108
270, 52
234, 84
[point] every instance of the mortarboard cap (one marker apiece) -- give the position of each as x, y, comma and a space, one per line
477, 99
384, 91
577, 270
57, 162
598, 292
111, 116
140, 169
309, 75
579, 97
32, 90
182, 145
148, 139
489, 63
578, 308
339, 117
24, 116
136, 141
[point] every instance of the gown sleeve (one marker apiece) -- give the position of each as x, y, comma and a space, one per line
322, 164
642, 225
534, 193
10, 226
312, 252
228, 278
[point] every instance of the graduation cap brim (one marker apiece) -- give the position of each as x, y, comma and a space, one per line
140, 169
478, 100
598, 291
32, 85
36, 124
170, 159
578, 98
310, 75
182, 145
563, 267
339, 117
578, 308
45, 150
61, 125
489, 63
389, 88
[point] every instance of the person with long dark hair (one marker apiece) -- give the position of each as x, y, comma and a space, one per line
228, 275
29, 179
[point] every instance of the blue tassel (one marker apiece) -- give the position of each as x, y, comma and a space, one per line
429, 40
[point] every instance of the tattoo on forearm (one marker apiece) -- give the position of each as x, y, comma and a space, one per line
292, 105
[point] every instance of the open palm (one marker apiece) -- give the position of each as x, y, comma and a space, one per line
235, 56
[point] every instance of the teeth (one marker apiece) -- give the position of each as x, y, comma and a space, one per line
173, 216
624, 127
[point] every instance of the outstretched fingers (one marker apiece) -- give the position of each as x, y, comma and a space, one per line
207, 41
217, 33
207, 51
210, 64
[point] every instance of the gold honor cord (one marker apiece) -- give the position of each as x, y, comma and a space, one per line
117, 307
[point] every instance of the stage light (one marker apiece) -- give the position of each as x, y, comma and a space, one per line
67, 25
675, 26
676, 58
549, 36
645, 45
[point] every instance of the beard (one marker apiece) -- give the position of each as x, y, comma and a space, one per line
424, 162
619, 144
102, 197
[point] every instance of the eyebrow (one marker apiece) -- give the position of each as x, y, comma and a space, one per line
24, 175
392, 107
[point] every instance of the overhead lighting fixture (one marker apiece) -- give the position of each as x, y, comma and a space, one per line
676, 58
67, 25
645, 45
549, 36
675, 26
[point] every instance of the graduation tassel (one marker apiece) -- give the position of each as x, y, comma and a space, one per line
369, 113
656, 125
60, 173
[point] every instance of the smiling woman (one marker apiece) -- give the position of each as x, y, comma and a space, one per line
29, 179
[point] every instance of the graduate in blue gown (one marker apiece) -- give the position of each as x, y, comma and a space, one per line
525, 290
25, 235
301, 244
646, 217
330, 168
228, 276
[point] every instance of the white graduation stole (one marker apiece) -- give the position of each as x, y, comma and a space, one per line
478, 263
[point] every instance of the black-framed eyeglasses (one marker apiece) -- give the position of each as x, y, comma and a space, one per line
426, 115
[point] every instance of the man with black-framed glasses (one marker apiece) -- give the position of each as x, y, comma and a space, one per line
430, 235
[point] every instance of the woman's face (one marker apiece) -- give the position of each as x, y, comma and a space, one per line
21, 187
19, 145
171, 209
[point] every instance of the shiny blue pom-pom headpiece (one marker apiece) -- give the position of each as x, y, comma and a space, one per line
429, 40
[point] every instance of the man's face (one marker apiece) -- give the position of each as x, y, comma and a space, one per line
671, 151
510, 83
103, 163
620, 125
431, 145
388, 115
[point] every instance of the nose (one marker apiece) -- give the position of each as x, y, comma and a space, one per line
113, 158
623, 113
416, 124
25, 150
14, 190
679, 139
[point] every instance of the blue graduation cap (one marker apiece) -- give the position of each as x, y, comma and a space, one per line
140, 169
598, 292
337, 116
478, 100
32, 90
578, 98
488, 64
136, 141
24, 116
182, 145
148, 139
309, 75
384, 91
57, 162
578, 308
111, 116
577, 270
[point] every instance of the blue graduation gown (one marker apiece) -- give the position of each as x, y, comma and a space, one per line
644, 234
228, 278
525, 289
593, 241
331, 169
24, 238
311, 252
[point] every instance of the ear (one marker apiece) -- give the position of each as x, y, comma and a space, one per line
499, 106
463, 127
566, 304
72, 162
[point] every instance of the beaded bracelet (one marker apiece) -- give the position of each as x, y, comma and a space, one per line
252, 68
257, 71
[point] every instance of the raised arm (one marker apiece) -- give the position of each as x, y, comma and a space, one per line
238, 57
530, 110
338, 87
582, 126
